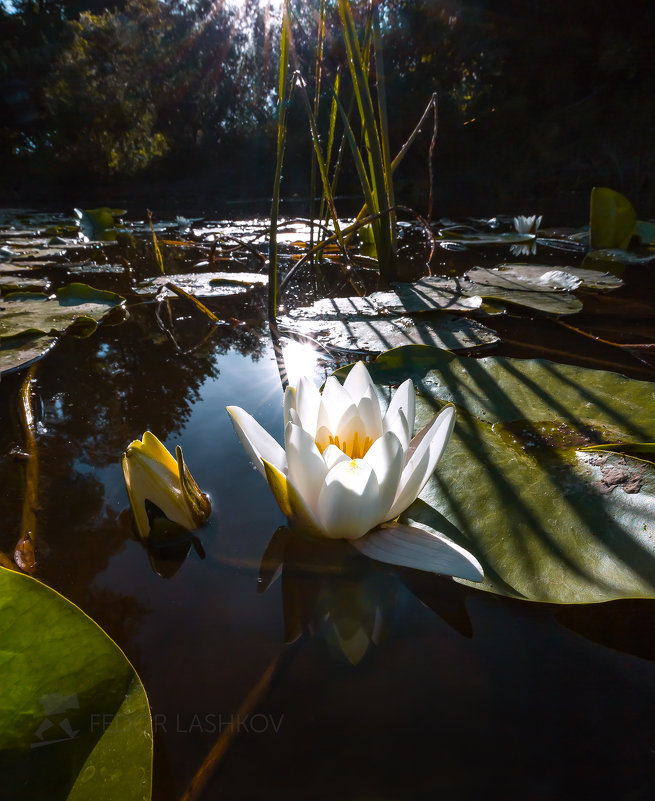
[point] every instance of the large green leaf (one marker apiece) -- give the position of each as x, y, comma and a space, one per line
547, 522
592, 405
612, 219
27, 313
74, 718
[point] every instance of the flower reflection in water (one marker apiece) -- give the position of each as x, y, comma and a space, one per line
331, 592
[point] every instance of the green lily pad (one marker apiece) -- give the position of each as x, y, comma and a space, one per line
430, 294
74, 717
476, 238
99, 223
203, 285
551, 302
379, 334
607, 406
618, 257
646, 232
18, 352
543, 278
547, 521
26, 313
15, 268
38, 253
11, 283
335, 308
612, 219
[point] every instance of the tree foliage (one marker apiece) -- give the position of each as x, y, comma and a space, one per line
532, 97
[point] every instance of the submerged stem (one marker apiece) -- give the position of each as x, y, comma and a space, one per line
24, 553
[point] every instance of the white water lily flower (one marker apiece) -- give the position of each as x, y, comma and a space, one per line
158, 483
346, 467
527, 225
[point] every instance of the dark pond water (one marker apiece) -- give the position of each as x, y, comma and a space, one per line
371, 682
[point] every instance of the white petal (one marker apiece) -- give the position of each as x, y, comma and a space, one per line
306, 467
386, 457
349, 503
403, 398
358, 383
289, 403
424, 453
369, 411
257, 442
400, 427
334, 402
413, 547
308, 401
333, 455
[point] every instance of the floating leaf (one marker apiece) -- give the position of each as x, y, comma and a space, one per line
377, 335
551, 302
331, 308
74, 717
25, 313
475, 238
430, 294
646, 232
203, 285
546, 522
612, 219
497, 389
618, 257
18, 352
99, 223
542, 277
9, 283
16, 268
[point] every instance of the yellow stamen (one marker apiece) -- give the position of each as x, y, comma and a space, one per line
356, 449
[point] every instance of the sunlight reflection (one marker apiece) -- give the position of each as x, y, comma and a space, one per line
300, 359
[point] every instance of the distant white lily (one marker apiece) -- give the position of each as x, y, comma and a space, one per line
347, 468
154, 478
527, 225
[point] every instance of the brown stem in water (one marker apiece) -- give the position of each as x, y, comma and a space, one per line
214, 758
24, 555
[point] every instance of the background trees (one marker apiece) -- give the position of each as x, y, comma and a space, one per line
534, 98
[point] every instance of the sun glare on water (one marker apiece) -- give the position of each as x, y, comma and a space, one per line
300, 360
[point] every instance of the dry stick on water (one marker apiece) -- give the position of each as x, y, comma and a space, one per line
193, 300
433, 142
24, 552
242, 243
428, 232
649, 346
167, 327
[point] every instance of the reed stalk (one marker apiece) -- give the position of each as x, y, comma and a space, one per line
283, 94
